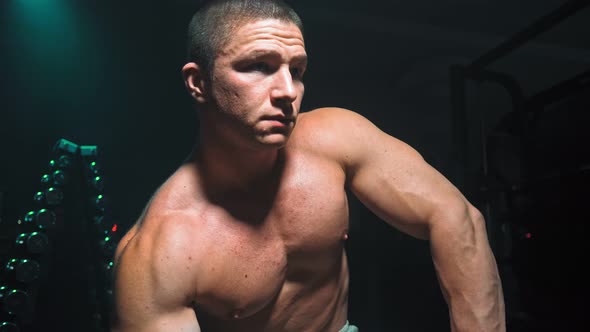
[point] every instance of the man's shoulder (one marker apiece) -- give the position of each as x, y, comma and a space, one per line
170, 222
158, 270
331, 122
329, 131
329, 114
163, 246
165, 232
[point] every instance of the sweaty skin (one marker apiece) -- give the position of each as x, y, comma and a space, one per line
249, 234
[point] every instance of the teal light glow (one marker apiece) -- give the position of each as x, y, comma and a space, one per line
51, 44
43, 34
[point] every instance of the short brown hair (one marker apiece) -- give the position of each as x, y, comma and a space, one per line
212, 25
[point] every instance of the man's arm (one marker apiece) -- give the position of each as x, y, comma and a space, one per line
395, 182
154, 282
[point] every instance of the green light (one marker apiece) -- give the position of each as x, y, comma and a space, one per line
97, 183
107, 239
45, 218
53, 39
39, 196
30, 217
44, 33
59, 177
93, 167
45, 179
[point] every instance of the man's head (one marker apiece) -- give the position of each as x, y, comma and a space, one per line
247, 71
212, 26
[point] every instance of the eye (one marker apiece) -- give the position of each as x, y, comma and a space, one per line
259, 66
297, 72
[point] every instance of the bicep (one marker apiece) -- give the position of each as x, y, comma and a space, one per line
395, 182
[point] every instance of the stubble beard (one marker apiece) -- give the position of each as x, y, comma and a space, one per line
273, 139
248, 134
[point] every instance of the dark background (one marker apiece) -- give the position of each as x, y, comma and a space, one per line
107, 73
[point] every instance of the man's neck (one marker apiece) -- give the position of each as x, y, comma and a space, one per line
228, 167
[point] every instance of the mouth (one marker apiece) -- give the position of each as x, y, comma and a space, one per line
282, 120
278, 123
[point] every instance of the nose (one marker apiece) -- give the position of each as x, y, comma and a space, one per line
284, 89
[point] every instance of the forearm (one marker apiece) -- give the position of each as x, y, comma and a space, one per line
467, 272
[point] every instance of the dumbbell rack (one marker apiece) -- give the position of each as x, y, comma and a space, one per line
58, 275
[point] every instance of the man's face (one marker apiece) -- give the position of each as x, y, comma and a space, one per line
256, 82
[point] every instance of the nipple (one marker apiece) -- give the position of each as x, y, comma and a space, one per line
237, 314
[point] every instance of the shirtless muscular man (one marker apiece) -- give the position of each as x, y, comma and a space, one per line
249, 233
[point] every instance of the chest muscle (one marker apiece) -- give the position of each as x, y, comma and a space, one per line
300, 235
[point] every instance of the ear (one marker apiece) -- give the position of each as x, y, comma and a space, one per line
194, 80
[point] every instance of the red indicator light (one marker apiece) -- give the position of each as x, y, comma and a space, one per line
528, 235
114, 229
